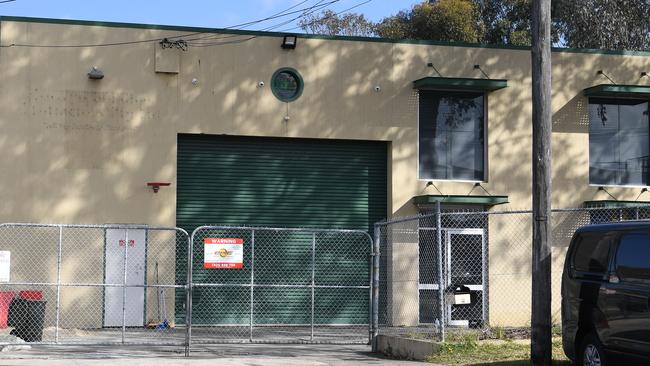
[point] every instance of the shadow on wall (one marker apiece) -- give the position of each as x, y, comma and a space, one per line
81, 151
573, 117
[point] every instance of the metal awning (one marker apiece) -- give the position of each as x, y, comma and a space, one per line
459, 84
614, 204
430, 199
615, 90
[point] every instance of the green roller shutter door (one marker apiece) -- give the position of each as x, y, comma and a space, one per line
281, 182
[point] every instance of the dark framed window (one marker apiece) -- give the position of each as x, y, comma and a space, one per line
287, 84
451, 136
591, 253
633, 257
619, 142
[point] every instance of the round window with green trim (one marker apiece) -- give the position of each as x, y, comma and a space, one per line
287, 84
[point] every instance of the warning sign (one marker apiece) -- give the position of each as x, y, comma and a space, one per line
224, 253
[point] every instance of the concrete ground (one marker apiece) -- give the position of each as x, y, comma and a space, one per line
224, 354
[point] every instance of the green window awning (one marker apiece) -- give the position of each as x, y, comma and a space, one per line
614, 90
430, 199
459, 84
615, 204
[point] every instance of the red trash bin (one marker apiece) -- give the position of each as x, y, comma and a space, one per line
5, 300
31, 295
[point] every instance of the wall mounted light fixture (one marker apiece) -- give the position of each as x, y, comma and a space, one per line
289, 42
155, 186
95, 74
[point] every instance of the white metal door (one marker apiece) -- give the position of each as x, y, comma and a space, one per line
116, 242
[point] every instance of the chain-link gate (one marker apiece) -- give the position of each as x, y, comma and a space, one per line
90, 284
143, 285
279, 285
470, 270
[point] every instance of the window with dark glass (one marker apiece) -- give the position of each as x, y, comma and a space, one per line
633, 257
452, 136
592, 253
618, 142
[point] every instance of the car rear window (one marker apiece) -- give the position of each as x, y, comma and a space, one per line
633, 257
592, 252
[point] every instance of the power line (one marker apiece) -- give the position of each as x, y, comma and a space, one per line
317, 6
304, 11
196, 44
330, 16
277, 15
6, 1
281, 14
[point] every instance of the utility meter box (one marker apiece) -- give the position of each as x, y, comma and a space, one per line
461, 296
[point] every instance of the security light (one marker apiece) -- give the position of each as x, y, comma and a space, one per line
289, 42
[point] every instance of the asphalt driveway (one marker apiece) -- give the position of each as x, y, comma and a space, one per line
225, 354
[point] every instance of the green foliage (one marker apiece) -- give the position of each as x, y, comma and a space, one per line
500, 333
605, 24
331, 23
444, 20
608, 24
471, 352
506, 21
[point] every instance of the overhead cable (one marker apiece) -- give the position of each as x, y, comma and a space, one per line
277, 15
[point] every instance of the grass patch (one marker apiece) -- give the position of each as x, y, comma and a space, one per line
466, 351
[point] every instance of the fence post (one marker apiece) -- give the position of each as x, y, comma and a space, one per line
250, 335
188, 294
375, 287
442, 286
126, 258
313, 280
370, 287
58, 285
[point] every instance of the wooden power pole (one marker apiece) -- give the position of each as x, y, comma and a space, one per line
541, 272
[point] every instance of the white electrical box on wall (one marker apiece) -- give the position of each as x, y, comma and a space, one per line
5, 266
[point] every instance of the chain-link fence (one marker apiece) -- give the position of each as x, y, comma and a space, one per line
133, 285
289, 285
142, 285
470, 269
89, 284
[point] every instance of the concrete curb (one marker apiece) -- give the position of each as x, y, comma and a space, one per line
405, 348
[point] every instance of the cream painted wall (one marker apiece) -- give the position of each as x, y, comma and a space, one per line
81, 151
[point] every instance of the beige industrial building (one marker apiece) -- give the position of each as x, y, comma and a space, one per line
255, 128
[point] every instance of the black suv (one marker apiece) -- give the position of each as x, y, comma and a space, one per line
606, 293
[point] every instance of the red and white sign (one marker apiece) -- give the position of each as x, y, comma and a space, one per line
224, 253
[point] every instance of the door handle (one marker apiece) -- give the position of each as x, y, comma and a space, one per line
608, 291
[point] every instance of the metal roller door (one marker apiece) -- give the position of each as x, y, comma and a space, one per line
278, 183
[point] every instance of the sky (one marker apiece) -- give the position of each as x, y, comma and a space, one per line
200, 13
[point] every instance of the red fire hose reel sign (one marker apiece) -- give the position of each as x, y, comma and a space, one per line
223, 253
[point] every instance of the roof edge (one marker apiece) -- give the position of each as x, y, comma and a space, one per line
461, 84
309, 36
608, 90
458, 199
615, 204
